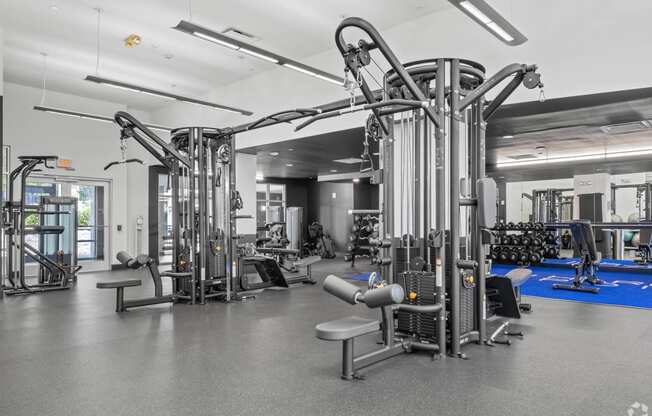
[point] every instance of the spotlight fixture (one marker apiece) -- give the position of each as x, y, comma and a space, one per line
489, 18
144, 90
237, 45
87, 116
576, 158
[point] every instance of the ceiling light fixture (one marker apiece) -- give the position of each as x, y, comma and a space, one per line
576, 158
273, 153
237, 45
149, 91
289, 165
356, 180
87, 116
487, 16
259, 176
508, 136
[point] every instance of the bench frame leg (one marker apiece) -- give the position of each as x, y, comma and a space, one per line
120, 299
347, 359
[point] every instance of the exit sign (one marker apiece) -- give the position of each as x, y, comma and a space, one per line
64, 164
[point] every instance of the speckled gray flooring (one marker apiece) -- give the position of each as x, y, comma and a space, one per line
68, 353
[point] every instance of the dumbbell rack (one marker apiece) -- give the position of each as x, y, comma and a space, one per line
523, 244
363, 233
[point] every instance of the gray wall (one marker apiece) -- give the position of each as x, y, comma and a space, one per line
332, 212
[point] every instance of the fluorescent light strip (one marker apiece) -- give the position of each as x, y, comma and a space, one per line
500, 31
237, 45
94, 117
577, 158
487, 16
475, 12
162, 94
259, 55
215, 40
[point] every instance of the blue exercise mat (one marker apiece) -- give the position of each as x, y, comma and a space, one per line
610, 264
620, 288
362, 277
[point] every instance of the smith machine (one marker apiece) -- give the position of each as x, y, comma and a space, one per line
436, 202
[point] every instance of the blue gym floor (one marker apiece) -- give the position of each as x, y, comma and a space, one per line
606, 265
621, 288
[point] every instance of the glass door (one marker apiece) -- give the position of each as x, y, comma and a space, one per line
93, 226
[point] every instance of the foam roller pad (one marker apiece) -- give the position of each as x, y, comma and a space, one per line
384, 296
341, 289
123, 257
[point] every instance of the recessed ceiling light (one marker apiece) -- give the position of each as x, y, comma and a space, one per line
333, 170
273, 153
508, 136
356, 180
54, 7
289, 165
259, 176
291, 149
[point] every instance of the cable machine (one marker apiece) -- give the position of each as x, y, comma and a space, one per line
56, 227
435, 199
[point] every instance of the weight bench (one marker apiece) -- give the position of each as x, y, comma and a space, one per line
586, 271
120, 290
504, 299
136, 263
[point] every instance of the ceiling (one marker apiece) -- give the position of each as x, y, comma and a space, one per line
167, 59
570, 126
312, 157
564, 126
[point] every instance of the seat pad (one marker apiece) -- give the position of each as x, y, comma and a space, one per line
518, 276
117, 284
346, 328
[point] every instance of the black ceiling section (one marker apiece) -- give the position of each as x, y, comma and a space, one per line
312, 156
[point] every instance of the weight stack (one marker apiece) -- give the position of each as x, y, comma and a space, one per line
421, 325
467, 295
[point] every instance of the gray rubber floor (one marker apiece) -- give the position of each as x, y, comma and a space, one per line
68, 353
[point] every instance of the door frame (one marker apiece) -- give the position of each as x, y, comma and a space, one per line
152, 210
101, 265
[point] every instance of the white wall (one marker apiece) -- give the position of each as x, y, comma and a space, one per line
89, 144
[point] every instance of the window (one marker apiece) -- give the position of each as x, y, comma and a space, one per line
270, 205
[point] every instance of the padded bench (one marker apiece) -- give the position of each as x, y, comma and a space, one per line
120, 290
346, 330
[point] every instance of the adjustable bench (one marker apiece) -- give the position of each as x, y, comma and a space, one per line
586, 271
504, 299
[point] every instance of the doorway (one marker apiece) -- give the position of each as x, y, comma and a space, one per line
93, 225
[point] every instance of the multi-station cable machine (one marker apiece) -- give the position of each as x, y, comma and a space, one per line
435, 201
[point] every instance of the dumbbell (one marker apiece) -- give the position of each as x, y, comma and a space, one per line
348, 257
538, 226
500, 226
356, 218
537, 242
495, 252
523, 256
350, 247
526, 240
512, 256
516, 240
535, 258
551, 238
506, 239
503, 255
510, 226
355, 228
